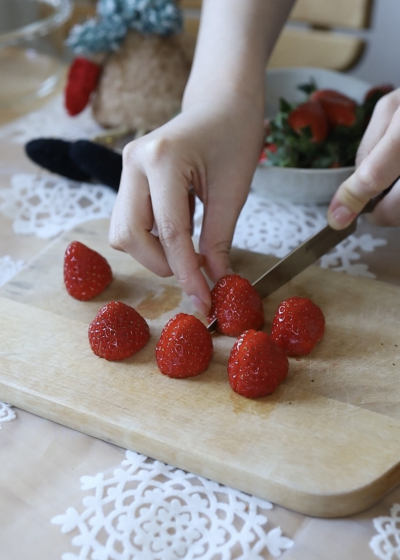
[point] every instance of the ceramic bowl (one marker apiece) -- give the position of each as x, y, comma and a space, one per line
303, 185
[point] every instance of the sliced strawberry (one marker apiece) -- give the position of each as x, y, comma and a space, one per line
320, 94
298, 325
340, 111
256, 365
86, 272
310, 114
236, 305
185, 347
118, 331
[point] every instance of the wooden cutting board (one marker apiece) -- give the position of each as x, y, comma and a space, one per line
326, 443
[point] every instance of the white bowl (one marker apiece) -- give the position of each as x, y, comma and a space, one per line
303, 185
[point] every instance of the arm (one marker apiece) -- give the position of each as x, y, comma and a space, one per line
212, 146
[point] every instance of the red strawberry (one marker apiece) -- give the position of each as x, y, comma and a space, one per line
378, 91
118, 331
236, 305
257, 365
298, 325
339, 110
310, 114
185, 347
321, 94
86, 272
271, 148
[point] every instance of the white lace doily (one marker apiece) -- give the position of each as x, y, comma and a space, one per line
276, 228
45, 205
146, 510
8, 268
386, 544
40, 124
6, 413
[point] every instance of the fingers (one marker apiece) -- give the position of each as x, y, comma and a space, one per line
132, 220
378, 125
387, 212
377, 171
169, 185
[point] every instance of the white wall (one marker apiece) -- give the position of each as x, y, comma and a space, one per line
380, 62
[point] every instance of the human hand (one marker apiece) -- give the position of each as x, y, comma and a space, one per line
213, 147
377, 167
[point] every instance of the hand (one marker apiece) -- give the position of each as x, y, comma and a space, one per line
212, 147
377, 167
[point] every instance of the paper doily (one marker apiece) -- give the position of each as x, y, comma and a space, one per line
6, 413
147, 510
276, 228
386, 544
41, 124
45, 205
8, 268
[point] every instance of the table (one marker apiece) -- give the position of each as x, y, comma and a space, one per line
67, 495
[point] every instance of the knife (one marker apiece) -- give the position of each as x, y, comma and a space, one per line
304, 255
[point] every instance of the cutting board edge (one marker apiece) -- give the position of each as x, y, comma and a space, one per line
337, 505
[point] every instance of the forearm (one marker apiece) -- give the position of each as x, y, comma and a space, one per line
236, 38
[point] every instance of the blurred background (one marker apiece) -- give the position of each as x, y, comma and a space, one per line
359, 37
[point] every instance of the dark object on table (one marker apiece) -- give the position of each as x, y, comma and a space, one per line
82, 160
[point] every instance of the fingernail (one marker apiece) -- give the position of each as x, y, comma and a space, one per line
341, 217
201, 307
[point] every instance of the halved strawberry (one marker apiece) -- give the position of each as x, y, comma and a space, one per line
310, 114
340, 111
236, 305
185, 347
320, 94
298, 325
118, 331
256, 365
86, 272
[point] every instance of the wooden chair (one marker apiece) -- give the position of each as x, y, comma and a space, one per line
320, 33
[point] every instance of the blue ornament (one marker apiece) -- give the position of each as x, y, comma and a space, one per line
116, 17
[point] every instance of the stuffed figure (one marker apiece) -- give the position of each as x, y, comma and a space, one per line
132, 64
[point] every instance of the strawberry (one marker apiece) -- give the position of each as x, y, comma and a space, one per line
256, 365
339, 110
310, 114
378, 91
185, 347
236, 305
297, 326
267, 149
118, 331
321, 94
86, 272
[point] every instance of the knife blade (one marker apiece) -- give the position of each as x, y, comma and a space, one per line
301, 258
308, 252
305, 255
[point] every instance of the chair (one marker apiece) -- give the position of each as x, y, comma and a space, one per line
320, 33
